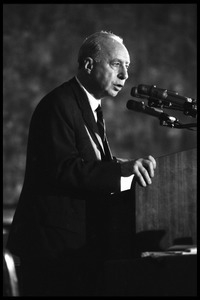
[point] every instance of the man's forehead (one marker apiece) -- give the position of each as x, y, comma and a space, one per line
114, 49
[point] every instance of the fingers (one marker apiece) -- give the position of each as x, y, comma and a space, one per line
150, 164
152, 160
144, 170
142, 176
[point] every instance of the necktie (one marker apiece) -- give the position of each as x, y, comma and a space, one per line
100, 123
102, 132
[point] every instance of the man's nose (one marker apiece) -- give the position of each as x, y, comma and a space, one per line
123, 74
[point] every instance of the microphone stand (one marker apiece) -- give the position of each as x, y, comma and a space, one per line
189, 108
170, 121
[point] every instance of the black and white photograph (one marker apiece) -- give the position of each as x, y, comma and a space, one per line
99, 149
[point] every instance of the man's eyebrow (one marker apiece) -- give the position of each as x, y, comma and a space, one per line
121, 61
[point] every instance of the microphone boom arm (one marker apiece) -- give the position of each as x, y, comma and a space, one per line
165, 119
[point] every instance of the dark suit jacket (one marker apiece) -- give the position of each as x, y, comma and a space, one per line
63, 205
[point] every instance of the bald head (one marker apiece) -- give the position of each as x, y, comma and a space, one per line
97, 45
103, 64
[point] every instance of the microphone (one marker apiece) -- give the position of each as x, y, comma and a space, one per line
170, 99
141, 107
160, 94
164, 118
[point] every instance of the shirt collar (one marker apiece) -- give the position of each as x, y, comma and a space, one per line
94, 103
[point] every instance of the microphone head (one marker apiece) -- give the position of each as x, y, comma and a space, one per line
135, 105
134, 92
145, 89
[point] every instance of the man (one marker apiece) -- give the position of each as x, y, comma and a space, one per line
60, 222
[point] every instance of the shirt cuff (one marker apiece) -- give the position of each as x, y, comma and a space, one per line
125, 183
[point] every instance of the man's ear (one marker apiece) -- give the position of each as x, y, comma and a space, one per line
88, 64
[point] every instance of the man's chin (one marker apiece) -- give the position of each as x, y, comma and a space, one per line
113, 93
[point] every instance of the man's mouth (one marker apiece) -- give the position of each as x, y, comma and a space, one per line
118, 86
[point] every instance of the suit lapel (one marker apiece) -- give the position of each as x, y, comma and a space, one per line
87, 113
107, 150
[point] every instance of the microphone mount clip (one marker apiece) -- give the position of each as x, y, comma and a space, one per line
170, 121
166, 120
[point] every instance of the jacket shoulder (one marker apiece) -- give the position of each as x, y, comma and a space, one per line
64, 98
63, 92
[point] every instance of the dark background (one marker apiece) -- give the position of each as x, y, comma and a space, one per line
40, 47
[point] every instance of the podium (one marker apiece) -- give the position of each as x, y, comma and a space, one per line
153, 219
166, 211
160, 215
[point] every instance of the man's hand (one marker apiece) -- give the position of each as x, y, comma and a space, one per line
142, 168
